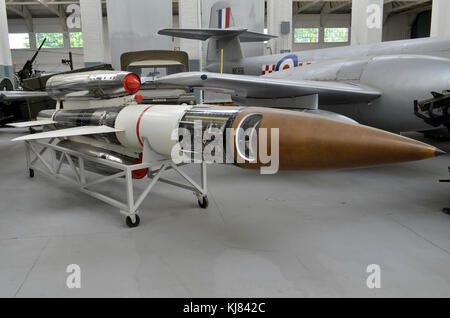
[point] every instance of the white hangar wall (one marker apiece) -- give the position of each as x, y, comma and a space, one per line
134, 27
48, 58
396, 27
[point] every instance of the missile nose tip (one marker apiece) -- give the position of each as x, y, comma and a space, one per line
439, 152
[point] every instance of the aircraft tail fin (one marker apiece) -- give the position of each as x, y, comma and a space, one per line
229, 40
222, 35
205, 34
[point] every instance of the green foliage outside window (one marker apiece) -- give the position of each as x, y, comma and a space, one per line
76, 39
54, 40
336, 35
306, 35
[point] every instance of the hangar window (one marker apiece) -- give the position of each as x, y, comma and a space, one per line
76, 39
336, 35
306, 35
19, 40
54, 40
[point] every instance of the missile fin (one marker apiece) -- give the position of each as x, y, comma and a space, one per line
76, 131
33, 123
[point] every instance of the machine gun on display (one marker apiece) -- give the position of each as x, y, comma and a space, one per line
69, 61
27, 69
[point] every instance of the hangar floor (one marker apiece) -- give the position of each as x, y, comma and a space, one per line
290, 235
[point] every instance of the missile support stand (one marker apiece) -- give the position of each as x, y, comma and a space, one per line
37, 160
446, 210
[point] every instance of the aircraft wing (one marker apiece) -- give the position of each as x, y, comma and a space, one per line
76, 131
205, 34
21, 95
246, 86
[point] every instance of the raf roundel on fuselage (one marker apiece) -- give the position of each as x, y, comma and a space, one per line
289, 61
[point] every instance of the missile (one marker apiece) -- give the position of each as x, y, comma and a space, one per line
298, 141
95, 84
249, 137
103, 129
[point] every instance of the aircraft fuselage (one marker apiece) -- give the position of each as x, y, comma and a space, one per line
404, 71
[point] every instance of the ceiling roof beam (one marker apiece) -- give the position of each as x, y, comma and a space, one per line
52, 8
49, 2
305, 5
23, 12
406, 6
339, 6
58, 10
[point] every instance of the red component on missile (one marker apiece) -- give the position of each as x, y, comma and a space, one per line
141, 173
138, 98
132, 83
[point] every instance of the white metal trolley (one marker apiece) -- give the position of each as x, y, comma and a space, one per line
37, 150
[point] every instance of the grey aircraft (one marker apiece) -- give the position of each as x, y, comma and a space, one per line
377, 85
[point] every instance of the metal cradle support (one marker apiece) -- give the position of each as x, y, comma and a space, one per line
446, 210
48, 158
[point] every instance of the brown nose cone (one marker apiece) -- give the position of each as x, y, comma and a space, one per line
311, 142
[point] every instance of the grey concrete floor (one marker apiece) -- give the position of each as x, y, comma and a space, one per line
306, 234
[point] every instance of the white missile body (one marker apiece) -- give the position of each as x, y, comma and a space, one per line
155, 123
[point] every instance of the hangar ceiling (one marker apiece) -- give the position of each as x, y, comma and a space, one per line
339, 6
28, 9
39, 8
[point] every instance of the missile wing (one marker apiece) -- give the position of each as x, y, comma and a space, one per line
75, 131
33, 123
248, 86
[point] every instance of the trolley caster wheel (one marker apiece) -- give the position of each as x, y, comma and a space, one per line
31, 173
132, 223
203, 202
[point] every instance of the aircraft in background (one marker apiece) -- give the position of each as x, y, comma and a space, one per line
377, 85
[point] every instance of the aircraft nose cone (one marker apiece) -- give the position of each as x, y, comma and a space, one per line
311, 142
